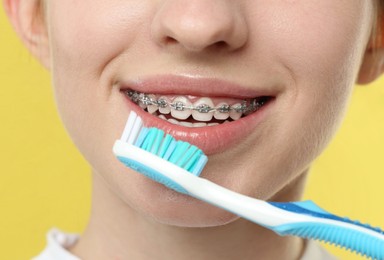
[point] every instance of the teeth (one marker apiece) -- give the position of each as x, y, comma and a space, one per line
201, 104
202, 110
173, 121
187, 124
199, 124
152, 108
180, 108
142, 100
223, 112
234, 114
163, 105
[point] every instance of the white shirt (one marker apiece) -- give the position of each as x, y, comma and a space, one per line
58, 242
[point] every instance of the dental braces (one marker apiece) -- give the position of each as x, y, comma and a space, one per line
145, 99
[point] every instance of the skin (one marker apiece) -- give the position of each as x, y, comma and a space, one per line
313, 52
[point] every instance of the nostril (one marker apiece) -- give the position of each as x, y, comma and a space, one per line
170, 40
199, 25
221, 44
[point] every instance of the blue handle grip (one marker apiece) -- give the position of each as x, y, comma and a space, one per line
369, 243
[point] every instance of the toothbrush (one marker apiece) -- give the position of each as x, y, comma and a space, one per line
177, 165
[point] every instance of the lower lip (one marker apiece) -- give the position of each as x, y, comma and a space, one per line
210, 139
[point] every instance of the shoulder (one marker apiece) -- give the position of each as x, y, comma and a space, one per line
57, 244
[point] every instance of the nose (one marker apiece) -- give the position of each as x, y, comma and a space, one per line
197, 25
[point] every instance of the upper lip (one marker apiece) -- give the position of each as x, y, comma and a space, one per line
195, 86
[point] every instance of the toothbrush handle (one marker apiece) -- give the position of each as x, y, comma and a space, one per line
330, 228
304, 219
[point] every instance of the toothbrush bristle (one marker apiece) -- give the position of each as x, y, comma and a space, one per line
180, 153
128, 127
153, 140
135, 130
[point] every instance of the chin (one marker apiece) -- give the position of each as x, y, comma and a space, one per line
159, 204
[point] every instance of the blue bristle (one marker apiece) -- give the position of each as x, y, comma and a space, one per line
150, 138
189, 166
145, 143
199, 165
171, 147
164, 145
179, 151
157, 142
143, 134
187, 155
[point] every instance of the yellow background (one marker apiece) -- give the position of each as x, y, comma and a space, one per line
45, 182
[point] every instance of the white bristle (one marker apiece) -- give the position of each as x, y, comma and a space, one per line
135, 130
128, 126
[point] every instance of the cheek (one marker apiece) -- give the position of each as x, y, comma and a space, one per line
323, 51
84, 45
325, 44
320, 54
84, 41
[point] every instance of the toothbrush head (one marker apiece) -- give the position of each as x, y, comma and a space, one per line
150, 151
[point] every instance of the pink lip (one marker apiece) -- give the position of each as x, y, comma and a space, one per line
212, 139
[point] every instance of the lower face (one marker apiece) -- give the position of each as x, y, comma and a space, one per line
300, 59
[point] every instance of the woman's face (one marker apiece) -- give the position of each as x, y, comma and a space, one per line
302, 57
